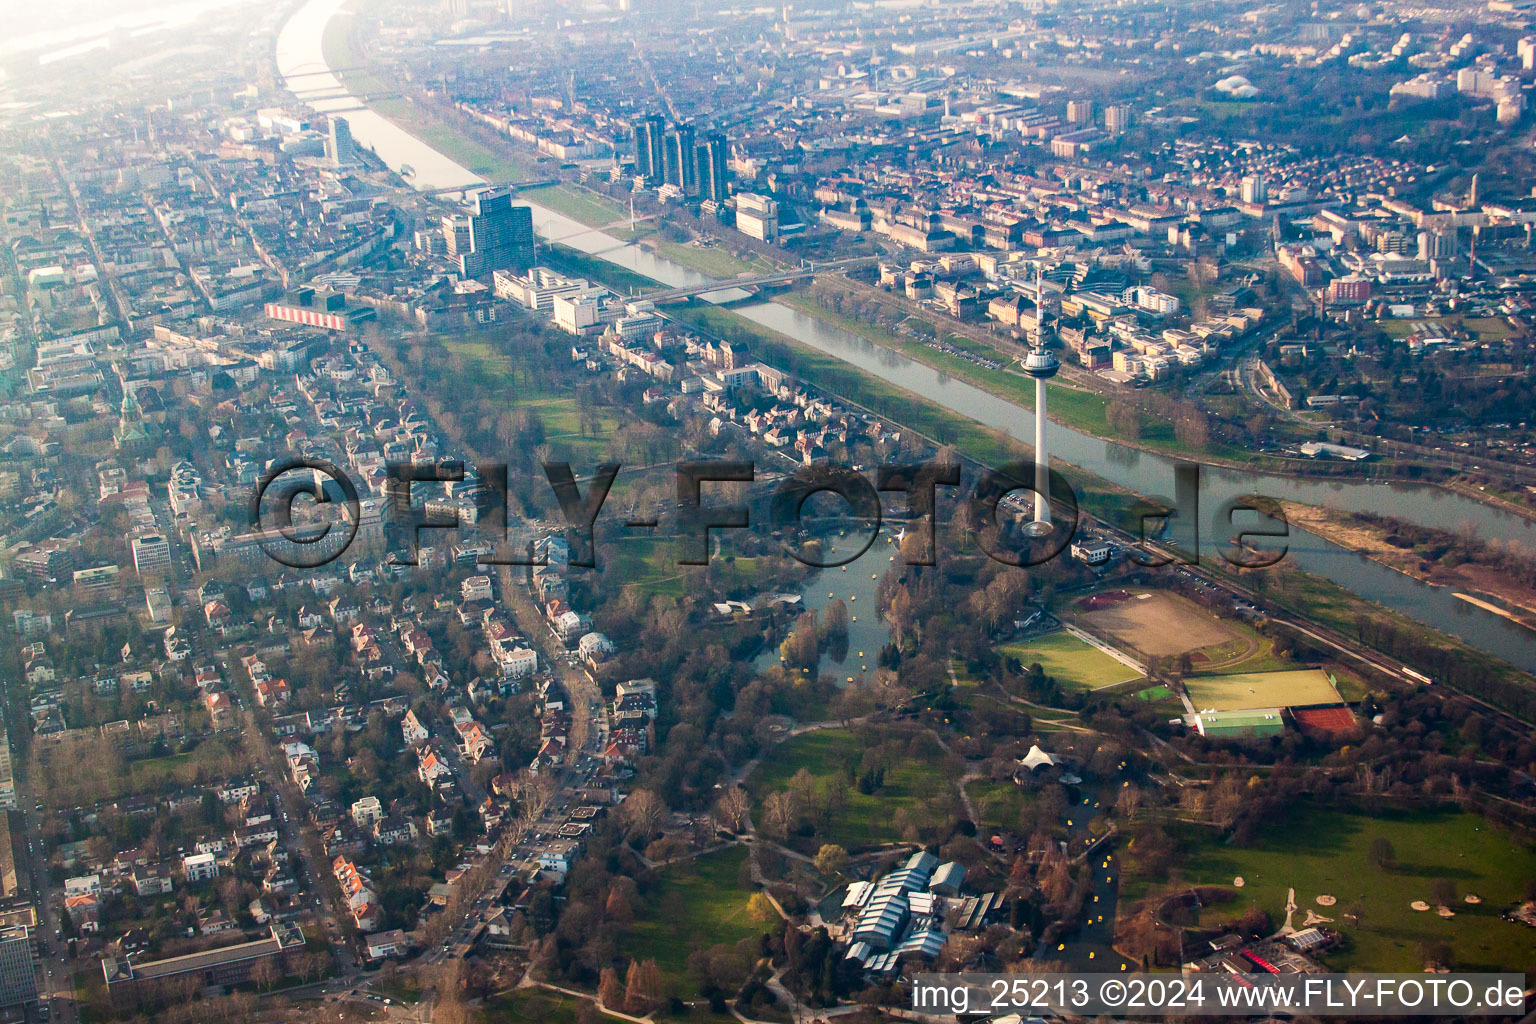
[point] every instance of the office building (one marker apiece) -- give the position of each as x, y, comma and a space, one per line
650, 133
711, 163
339, 146
757, 217
128, 980
312, 308
151, 553
18, 969
680, 160
491, 234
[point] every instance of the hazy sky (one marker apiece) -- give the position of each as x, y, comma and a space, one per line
34, 26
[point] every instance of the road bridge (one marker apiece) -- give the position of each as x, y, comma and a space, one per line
476, 186
779, 277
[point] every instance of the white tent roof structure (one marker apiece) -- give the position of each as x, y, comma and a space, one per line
1037, 758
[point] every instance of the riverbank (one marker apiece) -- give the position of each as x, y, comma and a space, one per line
1484, 586
1478, 493
1086, 410
905, 409
991, 419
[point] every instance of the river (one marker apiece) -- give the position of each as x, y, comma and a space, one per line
301, 62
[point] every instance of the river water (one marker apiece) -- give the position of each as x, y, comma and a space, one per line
301, 61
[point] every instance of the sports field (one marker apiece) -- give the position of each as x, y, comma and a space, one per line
1245, 690
1156, 623
1071, 662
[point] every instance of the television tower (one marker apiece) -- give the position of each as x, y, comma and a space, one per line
1041, 365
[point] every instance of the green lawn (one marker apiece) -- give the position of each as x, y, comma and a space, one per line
650, 563
697, 904
1248, 690
1071, 662
560, 414
535, 1006
714, 260
999, 805
577, 203
868, 817
1327, 852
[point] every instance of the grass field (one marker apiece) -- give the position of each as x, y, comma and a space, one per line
536, 1006
1327, 852
1297, 687
650, 563
697, 904
714, 260
1071, 662
868, 818
1000, 805
560, 414
1161, 624
577, 203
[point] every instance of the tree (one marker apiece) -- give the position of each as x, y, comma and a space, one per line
1443, 891
643, 813
610, 992
265, 974
831, 859
642, 987
731, 809
617, 908
1128, 802
760, 908
1382, 854
778, 814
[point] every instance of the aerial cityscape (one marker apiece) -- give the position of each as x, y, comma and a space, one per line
593, 511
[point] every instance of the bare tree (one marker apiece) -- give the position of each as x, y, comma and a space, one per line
731, 809
642, 813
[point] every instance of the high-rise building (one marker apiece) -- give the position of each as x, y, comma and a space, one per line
711, 158
151, 552
1437, 245
757, 217
1080, 111
339, 146
680, 165
18, 970
1255, 189
649, 159
491, 235
1117, 117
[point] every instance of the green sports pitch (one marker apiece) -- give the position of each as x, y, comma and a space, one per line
1071, 662
1247, 690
